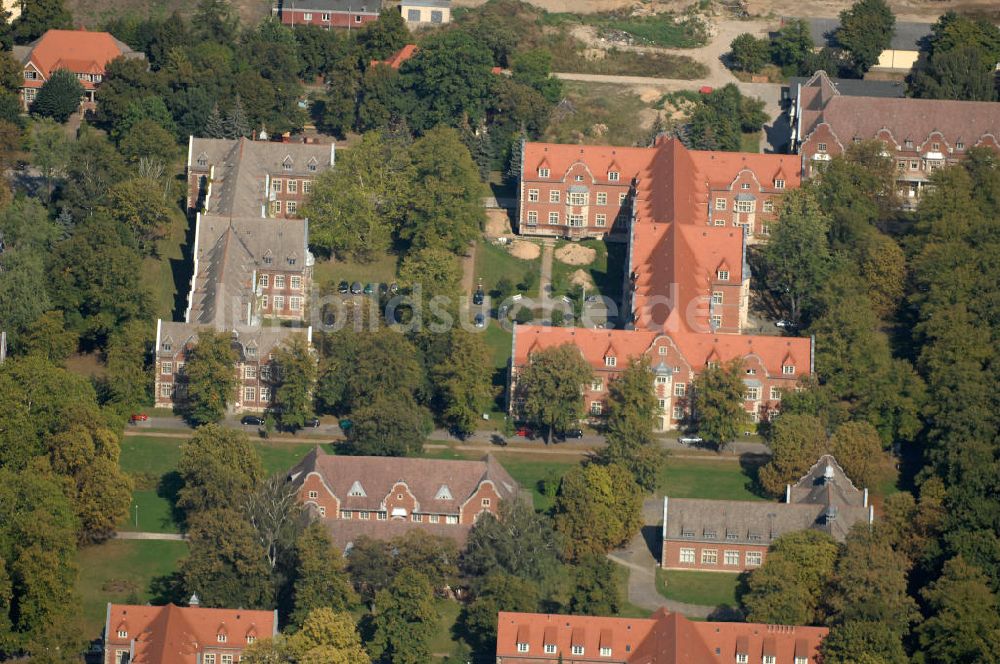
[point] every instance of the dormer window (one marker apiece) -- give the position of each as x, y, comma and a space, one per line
723, 275
742, 658
291, 261
821, 147
221, 637
313, 495
166, 345
613, 176
123, 634
745, 185
577, 650
312, 167
935, 146
788, 369
960, 146
268, 260
522, 647
30, 75
579, 178
779, 184
203, 160
251, 638
610, 361
286, 165
357, 490
444, 493
770, 659
908, 143
605, 651
550, 648
543, 172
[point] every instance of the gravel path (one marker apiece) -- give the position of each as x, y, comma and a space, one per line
170, 537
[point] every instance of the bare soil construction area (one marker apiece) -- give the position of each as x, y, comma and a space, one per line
905, 10
575, 254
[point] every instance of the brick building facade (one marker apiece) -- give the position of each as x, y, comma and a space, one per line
246, 178
920, 135
663, 638
174, 634
383, 497
734, 536
771, 365
345, 14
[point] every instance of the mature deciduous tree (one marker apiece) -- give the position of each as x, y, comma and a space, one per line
793, 44
389, 426
295, 382
355, 207
550, 387
48, 337
591, 494
717, 403
749, 53
39, 16
431, 271
964, 618
518, 542
788, 589
210, 377
403, 620
632, 413
595, 590
227, 566
862, 642
327, 637
219, 468
464, 380
141, 205
445, 210
796, 442
321, 579
534, 69
858, 448
385, 35
865, 31
272, 509
497, 592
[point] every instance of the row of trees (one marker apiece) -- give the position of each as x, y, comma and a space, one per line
866, 29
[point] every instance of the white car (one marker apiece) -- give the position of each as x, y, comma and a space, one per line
690, 440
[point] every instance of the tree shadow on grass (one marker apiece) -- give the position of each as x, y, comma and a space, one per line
751, 464
168, 488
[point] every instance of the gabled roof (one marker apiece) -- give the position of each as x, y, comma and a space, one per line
663, 638
907, 36
264, 340
423, 478
79, 51
629, 162
242, 167
229, 252
176, 635
851, 87
826, 483
398, 58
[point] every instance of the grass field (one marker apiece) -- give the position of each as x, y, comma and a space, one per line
750, 142
705, 588
493, 263
152, 457
592, 105
443, 641
632, 63
169, 270
606, 270
328, 273
698, 478
120, 571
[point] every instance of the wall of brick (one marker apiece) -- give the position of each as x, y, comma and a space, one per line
671, 558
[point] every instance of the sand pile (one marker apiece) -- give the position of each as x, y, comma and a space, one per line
576, 254
524, 250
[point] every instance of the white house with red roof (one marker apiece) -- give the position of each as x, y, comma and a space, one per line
82, 52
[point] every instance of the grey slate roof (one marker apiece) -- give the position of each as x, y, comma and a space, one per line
261, 340
229, 250
853, 87
349, 6
239, 185
822, 500
907, 37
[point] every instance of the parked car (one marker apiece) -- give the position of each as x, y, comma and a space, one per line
480, 320
138, 417
356, 288
786, 324
312, 423
573, 433
690, 440
525, 432
369, 289
252, 420
393, 288
478, 297
343, 288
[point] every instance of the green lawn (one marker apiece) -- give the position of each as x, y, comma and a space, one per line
120, 571
705, 588
150, 454
154, 514
328, 273
607, 270
443, 641
279, 457
498, 340
163, 273
699, 478
494, 262
750, 142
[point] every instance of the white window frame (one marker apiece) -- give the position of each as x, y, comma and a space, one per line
779, 184
532, 217
522, 647
532, 195
600, 220
602, 198
578, 198
296, 282
709, 556
788, 369
543, 172
554, 196
753, 558
577, 650
775, 393
720, 204
680, 389
723, 275
614, 176
731, 557
686, 556
553, 218
610, 361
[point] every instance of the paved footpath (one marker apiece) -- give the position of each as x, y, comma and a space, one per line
171, 537
641, 565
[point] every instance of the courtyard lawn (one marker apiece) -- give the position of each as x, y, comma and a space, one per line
607, 270
498, 340
750, 142
443, 642
704, 588
120, 571
169, 269
154, 514
701, 478
328, 273
495, 262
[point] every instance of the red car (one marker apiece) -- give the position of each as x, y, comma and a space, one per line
525, 432
138, 417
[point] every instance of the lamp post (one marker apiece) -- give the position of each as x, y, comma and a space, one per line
137, 515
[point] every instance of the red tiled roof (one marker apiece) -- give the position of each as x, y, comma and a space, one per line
79, 51
176, 635
696, 347
631, 162
664, 638
399, 57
